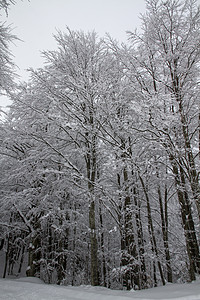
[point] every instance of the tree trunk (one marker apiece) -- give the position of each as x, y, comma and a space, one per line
129, 260
94, 247
187, 220
190, 227
21, 260
34, 255
150, 222
104, 275
141, 252
91, 167
6, 257
92, 225
164, 222
166, 240
192, 172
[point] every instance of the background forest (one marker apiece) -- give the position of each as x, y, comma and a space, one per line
100, 156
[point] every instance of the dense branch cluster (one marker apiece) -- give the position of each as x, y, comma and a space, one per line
100, 158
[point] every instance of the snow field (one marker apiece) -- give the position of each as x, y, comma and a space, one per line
34, 289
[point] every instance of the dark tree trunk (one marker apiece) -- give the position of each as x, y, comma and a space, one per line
140, 236
187, 219
164, 222
150, 222
2, 243
166, 240
34, 256
6, 257
129, 259
21, 260
104, 275
94, 247
91, 168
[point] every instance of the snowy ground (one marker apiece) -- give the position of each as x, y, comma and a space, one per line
34, 289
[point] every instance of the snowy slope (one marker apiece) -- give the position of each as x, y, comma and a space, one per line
34, 289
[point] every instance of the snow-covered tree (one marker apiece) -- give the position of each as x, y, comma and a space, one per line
165, 66
100, 157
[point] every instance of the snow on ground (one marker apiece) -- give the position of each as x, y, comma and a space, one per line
35, 289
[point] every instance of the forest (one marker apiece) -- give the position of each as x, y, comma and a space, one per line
100, 156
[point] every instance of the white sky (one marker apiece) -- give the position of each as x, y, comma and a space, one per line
35, 22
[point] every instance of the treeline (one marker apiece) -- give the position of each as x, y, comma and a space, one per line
100, 157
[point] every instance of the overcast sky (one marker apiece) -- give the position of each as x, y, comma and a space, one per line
35, 22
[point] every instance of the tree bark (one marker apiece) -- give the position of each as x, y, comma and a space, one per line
129, 259
164, 222
140, 236
187, 219
150, 221
91, 175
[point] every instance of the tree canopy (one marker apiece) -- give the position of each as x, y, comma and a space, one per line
100, 156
